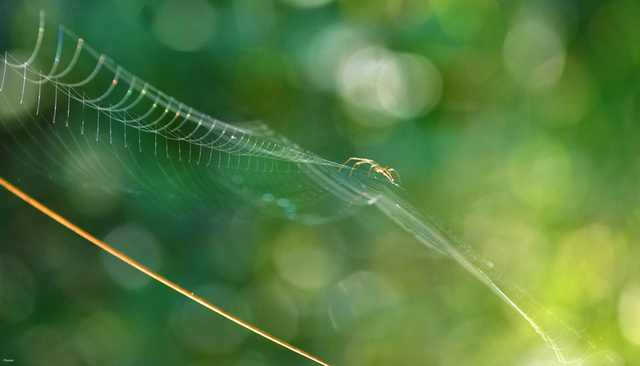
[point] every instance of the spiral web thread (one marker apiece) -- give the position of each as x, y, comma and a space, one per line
98, 108
100, 116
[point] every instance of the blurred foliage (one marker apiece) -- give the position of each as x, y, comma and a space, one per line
515, 123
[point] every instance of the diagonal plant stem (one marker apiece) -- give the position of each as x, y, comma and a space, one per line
104, 246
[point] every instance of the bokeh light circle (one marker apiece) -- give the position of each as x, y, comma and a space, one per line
534, 54
185, 25
377, 81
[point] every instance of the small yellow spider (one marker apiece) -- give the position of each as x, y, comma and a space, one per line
386, 171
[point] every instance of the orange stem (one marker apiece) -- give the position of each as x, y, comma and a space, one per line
42, 208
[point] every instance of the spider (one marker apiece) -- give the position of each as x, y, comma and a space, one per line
386, 171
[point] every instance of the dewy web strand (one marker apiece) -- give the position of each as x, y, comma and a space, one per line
167, 148
162, 115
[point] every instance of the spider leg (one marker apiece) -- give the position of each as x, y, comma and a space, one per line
365, 161
348, 160
390, 170
345, 163
362, 161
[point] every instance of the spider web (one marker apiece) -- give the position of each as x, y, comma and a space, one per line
77, 117
157, 145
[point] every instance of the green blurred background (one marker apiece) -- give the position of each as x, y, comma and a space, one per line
514, 123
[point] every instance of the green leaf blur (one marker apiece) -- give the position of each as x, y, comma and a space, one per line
515, 123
